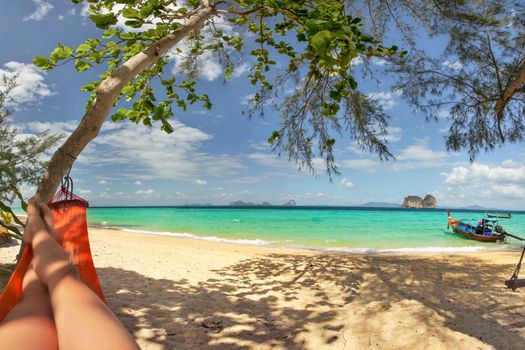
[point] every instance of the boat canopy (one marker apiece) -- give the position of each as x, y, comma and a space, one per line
475, 222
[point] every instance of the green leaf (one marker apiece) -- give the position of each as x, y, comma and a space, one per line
82, 48
321, 40
193, 3
121, 114
167, 127
275, 137
229, 71
104, 21
110, 33
42, 62
82, 65
131, 13
61, 52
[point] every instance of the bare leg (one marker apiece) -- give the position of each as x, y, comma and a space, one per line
30, 323
82, 320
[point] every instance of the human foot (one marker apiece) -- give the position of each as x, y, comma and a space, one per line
51, 263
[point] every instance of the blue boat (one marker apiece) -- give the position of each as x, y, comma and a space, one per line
484, 230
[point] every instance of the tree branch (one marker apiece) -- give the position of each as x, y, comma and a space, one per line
106, 95
507, 94
240, 14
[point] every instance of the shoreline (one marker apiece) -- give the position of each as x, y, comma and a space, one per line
424, 250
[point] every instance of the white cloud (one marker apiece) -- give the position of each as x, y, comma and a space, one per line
162, 155
199, 182
246, 100
208, 64
42, 9
387, 99
419, 152
368, 165
65, 127
61, 17
346, 183
84, 11
138, 183
415, 156
508, 172
148, 152
103, 182
240, 70
357, 61
31, 86
262, 146
489, 185
443, 114
378, 61
146, 192
454, 65
394, 134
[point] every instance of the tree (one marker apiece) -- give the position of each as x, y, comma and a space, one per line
479, 78
21, 159
316, 36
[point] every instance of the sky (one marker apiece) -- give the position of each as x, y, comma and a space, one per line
220, 156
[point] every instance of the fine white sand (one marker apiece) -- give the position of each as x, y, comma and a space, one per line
176, 293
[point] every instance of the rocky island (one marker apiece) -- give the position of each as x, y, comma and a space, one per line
290, 203
417, 202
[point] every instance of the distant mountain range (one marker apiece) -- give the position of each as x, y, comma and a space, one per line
396, 205
290, 203
474, 207
380, 205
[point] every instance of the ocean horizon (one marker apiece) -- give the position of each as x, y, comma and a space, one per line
326, 228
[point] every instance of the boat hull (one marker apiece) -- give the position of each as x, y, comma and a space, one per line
457, 228
480, 238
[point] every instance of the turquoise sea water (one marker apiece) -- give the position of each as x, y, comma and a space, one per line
333, 229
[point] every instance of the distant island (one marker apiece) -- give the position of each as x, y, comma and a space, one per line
379, 205
417, 202
290, 203
474, 207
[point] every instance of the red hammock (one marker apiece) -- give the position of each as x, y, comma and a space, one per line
69, 212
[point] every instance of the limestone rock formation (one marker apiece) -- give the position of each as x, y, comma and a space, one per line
429, 201
412, 202
416, 202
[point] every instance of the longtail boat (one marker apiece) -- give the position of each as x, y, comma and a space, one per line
484, 230
500, 216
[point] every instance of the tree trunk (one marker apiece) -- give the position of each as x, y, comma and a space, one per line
509, 91
106, 96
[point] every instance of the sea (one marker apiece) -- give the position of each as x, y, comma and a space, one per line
337, 229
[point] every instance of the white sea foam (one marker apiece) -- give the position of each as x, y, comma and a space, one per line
204, 238
344, 250
409, 250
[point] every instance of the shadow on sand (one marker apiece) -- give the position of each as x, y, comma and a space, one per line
277, 300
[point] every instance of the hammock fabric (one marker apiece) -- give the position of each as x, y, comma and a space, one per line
69, 212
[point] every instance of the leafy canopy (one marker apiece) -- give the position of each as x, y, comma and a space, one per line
317, 38
478, 79
21, 159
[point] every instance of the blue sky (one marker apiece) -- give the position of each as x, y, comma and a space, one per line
219, 156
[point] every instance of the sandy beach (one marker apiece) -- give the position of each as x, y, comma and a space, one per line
176, 293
